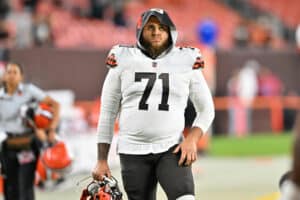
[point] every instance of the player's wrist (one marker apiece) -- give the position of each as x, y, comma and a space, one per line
102, 161
196, 132
51, 129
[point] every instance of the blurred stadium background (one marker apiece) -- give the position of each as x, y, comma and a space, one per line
252, 53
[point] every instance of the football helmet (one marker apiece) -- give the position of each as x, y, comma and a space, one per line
57, 157
43, 116
107, 189
53, 163
37, 115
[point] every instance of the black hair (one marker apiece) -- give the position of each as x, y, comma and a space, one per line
19, 65
3, 83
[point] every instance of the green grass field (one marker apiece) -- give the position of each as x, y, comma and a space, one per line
263, 144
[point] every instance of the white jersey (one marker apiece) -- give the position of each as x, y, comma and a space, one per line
150, 96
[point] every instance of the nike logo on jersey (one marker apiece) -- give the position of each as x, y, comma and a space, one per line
154, 64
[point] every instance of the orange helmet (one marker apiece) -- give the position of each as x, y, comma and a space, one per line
102, 190
53, 161
37, 115
43, 174
43, 116
57, 157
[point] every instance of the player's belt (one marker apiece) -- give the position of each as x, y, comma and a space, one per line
19, 141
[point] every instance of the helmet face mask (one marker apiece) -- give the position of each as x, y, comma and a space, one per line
107, 189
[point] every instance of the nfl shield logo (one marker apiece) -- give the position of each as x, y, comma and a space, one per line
154, 64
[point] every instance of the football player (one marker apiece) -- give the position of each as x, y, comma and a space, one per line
148, 86
291, 187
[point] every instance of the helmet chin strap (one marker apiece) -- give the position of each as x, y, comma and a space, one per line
186, 197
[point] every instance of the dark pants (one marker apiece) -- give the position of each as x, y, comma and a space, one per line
18, 178
141, 173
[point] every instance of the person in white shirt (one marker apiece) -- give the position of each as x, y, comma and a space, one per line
147, 87
21, 143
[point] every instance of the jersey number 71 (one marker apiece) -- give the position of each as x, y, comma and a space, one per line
151, 76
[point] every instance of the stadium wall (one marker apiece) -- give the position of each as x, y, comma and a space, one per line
285, 64
83, 71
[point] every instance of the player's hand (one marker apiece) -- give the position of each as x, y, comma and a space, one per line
101, 169
188, 148
52, 136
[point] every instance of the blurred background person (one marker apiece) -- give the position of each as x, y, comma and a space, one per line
271, 87
241, 34
21, 142
234, 104
21, 20
269, 84
243, 87
247, 91
41, 30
